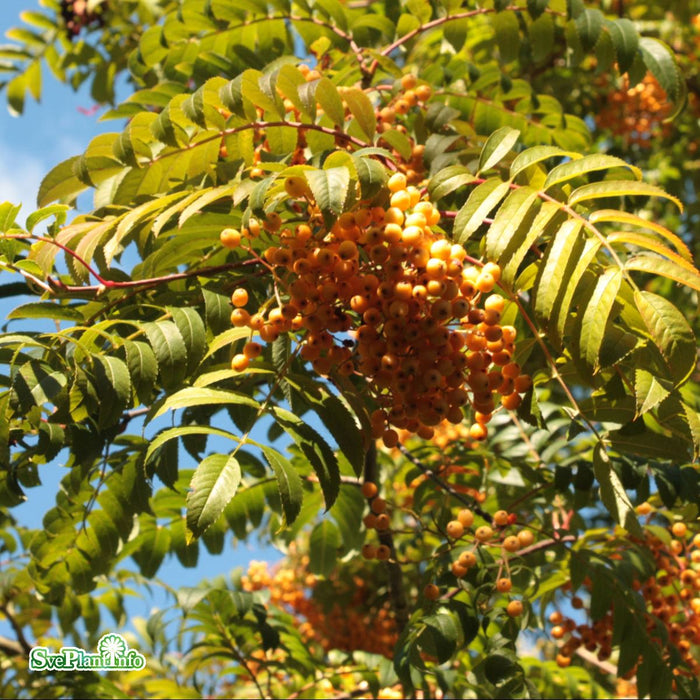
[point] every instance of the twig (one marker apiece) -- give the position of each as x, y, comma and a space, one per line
470, 502
396, 590
17, 628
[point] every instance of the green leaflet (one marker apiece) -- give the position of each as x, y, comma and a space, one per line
496, 147
656, 265
553, 267
330, 189
288, 483
670, 332
315, 449
535, 155
626, 41
483, 199
585, 165
362, 109
213, 485
619, 188
170, 350
200, 396
613, 493
323, 547
513, 220
113, 384
597, 313
649, 390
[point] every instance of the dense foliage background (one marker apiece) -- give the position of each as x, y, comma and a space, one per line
406, 289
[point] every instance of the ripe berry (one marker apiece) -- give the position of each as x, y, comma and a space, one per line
514, 608
466, 517
383, 552
503, 585
679, 529
483, 533
378, 505
431, 592
296, 186
455, 529
500, 518
239, 297
239, 362
369, 551
369, 489
230, 238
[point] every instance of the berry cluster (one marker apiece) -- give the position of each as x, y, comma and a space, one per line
76, 14
671, 597
384, 296
636, 113
356, 620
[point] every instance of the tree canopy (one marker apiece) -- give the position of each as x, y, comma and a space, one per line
406, 289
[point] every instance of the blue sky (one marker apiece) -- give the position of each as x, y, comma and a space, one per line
30, 146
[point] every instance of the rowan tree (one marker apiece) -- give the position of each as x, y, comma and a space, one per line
406, 289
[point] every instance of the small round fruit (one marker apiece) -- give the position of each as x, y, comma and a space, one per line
296, 186
252, 350
458, 569
455, 529
511, 543
230, 238
383, 522
556, 618
483, 533
383, 552
369, 551
369, 489
239, 362
514, 608
557, 632
467, 559
503, 585
466, 517
500, 518
431, 592
526, 538
679, 529
378, 505
563, 661
239, 297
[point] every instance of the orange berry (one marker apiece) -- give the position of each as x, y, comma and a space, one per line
455, 529
252, 350
378, 505
500, 518
483, 533
466, 517
514, 608
369, 489
503, 585
511, 544
679, 529
383, 552
431, 592
556, 617
369, 551
467, 559
239, 362
558, 632
397, 182
239, 297
230, 238
296, 186
526, 538
383, 522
